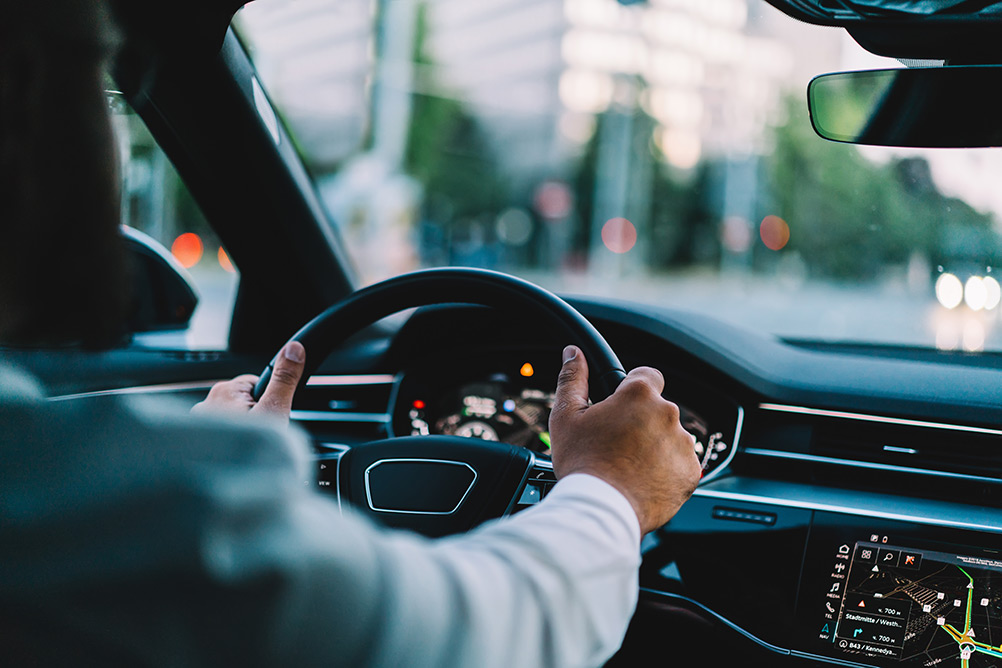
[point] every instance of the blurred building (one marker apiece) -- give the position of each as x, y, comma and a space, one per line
536, 72
315, 58
541, 78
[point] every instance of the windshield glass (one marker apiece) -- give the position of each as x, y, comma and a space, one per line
658, 152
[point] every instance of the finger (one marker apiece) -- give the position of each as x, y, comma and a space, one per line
244, 380
288, 370
572, 384
646, 375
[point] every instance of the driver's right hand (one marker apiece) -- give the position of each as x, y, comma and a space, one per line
633, 440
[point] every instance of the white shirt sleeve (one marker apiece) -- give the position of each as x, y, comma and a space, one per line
179, 539
554, 586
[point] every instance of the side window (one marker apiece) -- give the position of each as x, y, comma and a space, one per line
156, 202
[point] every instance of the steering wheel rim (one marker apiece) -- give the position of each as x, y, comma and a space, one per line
439, 485
454, 285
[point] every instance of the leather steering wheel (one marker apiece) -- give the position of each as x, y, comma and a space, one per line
444, 484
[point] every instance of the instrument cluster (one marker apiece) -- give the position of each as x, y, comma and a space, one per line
508, 397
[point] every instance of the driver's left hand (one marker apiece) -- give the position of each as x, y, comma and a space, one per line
235, 396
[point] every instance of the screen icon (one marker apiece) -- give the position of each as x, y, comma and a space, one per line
887, 557
911, 560
867, 554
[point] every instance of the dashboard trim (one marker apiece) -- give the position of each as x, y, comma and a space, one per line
336, 416
140, 389
843, 509
891, 468
904, 422
361, 379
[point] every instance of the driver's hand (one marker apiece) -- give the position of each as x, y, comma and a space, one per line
633, 440
236, 396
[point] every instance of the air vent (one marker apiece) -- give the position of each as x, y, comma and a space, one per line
876, 453
939, 450
345, 396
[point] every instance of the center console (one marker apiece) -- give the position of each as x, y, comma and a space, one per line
900, 594
815, 586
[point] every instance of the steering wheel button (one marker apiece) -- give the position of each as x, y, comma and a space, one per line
533, 493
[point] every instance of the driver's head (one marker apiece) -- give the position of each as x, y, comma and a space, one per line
61, 279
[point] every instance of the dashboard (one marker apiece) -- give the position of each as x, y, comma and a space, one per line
850, 513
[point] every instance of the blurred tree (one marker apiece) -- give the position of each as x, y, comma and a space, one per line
447, 151
681, 228
850, 217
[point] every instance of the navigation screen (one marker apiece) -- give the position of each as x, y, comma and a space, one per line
923, 606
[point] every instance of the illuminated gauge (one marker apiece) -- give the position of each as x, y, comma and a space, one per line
477, 429
710, 447
418, 425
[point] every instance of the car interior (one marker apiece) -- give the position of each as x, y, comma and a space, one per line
849, 511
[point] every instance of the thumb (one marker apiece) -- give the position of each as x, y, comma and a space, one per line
572, 385
277, 397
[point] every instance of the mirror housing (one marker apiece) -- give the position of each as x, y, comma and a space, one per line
926, 107
164, 296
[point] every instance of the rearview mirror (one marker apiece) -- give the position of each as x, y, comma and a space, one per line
929, 107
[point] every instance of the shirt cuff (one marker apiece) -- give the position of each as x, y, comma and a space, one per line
593, 487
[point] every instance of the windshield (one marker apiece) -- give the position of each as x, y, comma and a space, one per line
659, 152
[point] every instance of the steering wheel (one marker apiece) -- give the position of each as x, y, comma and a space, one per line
444, 484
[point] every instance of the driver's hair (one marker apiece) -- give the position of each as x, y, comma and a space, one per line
61, 261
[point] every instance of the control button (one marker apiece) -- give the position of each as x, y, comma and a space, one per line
843, 549
866, 554
721, 513
912, 560
887, 557
533, 493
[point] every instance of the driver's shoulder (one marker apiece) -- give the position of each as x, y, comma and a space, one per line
137, 435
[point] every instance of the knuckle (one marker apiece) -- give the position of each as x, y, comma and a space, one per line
672, 412
635, 388
568, 374
284, 376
